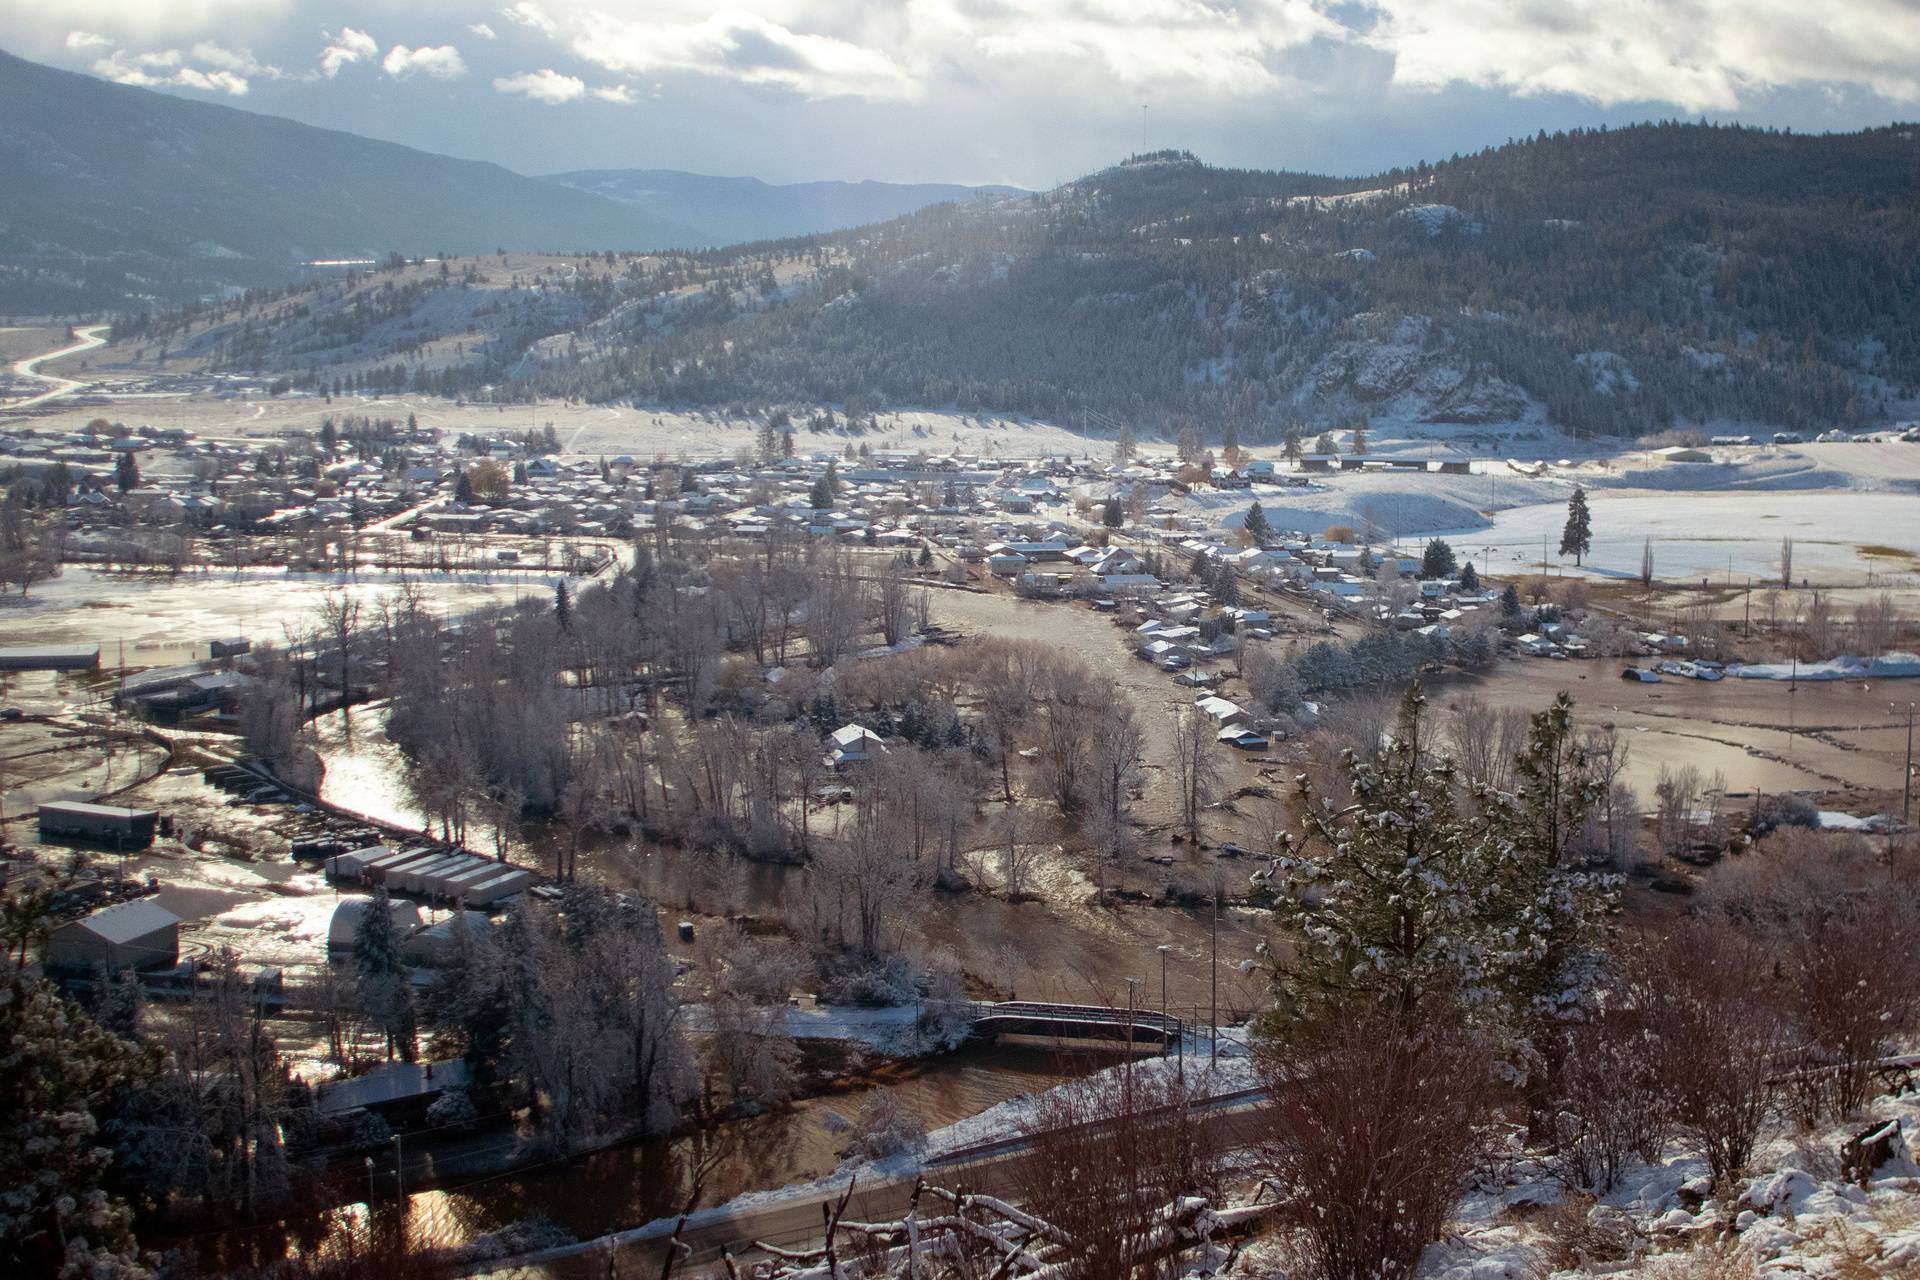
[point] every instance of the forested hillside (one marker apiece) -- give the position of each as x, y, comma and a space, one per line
109, 192
1606, 282
736, 210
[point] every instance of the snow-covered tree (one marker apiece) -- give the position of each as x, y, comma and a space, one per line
59, 1070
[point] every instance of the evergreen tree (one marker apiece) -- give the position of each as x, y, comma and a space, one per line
59, 1072
1359, 437
1510, 602
824, 490
1256, 525
126, 471
563, 606
1112, 515
1290, 442
383, 983
463, 489
1469, 579
1393, 900
1123, 444
1577, 538
1646, 563
1438, 560
1325, 446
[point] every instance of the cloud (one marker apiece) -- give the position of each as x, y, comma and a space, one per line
525, 13
733, 44
1705, 55
239, 61
347, 47
442, 62
86, 40
545, 85
620, 93
484, 31
166, 68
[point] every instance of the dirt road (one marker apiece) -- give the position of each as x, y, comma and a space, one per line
85, 339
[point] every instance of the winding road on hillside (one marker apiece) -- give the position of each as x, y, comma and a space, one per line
85, 339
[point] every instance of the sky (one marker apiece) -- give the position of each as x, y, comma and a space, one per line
1028, 92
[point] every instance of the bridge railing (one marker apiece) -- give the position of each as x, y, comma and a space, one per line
1153, 1020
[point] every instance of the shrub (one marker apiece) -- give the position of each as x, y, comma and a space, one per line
1374, 1130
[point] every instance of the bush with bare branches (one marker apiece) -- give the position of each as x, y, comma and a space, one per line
1374, 1131
1108, 1155
1721, 1036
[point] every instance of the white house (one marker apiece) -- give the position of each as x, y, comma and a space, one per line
853, 744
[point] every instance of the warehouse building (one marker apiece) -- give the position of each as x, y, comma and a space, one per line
134, 935
49, 657
106, 824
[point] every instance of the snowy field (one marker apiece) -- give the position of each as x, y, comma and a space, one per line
1839, 538
162, 619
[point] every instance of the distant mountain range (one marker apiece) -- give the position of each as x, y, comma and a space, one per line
738, 210
113, 196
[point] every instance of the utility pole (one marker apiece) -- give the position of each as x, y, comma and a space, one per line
369, 1191
1131, 983
399, 1181
1213, 1025
1906, 778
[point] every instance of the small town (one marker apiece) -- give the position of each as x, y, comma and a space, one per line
1226, 641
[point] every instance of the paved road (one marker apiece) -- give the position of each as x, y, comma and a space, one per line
794, 1220
85, 339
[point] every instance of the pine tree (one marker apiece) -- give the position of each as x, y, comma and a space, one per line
1646, 563
1325, 446
126, 472
1290, 442
1394, 899
463, 490
1112, 515
59, 1073
1469, 579
384, 985
1359, 437
824, 490
563, 606
1510, 602
1438, 561
1123, 444
1577, 538
1256, 525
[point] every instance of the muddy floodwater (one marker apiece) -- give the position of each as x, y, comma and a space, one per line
630, 1185
1839, 738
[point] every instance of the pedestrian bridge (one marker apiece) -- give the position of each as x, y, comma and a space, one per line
1073, 1022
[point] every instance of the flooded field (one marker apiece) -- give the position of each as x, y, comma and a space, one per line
1839, 737
158, 619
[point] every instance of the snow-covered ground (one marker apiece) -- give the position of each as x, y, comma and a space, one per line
162, 619
1794, 1216
1839, 538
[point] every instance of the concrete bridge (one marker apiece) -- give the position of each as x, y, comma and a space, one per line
1074, 1022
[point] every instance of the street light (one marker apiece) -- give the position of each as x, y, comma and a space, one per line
369, 1188
399, 1184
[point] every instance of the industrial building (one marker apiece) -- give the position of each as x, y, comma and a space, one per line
134, 935
107, 824
49, 657
435, 873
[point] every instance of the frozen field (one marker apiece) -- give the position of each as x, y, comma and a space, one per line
1839, 538
163, 619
